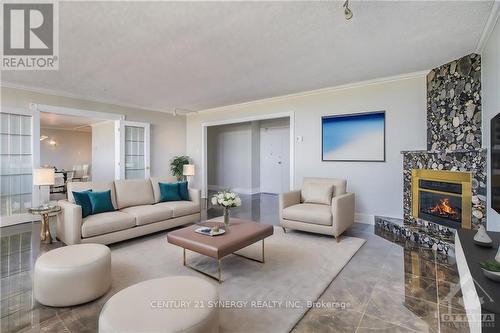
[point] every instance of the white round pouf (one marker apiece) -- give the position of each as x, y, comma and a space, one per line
72, 274
172, 304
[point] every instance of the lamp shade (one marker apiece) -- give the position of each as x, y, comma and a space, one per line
188, 170
44, 176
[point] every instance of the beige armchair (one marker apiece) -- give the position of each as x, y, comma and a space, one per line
322, 206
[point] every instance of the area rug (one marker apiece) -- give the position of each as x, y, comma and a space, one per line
255, 297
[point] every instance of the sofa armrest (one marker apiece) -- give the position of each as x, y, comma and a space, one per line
288, 199
69, 223
342, 212
195, 196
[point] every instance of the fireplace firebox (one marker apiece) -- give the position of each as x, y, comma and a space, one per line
442, 197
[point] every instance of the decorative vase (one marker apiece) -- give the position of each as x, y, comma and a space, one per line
481, 237
226, 217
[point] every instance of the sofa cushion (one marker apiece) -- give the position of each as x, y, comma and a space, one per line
156, 187
309, 213
97, 186
82, 199
147, 214
181, 208
134, 193
101, 202
104, 223
184, 190
169, 192
317, 193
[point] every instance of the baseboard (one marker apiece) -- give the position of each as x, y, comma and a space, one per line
364, 218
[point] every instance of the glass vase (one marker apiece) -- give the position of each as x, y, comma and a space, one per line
226, 217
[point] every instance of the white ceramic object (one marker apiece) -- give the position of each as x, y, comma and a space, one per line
482, 238
208, 232
495, 276
497, 257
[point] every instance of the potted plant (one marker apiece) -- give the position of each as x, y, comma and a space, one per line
226, 199
176, 166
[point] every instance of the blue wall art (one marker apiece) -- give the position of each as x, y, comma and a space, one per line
354, 137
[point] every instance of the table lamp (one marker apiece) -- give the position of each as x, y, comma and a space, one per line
188, 171
43, 177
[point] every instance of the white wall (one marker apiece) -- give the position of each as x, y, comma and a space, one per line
72, 148
490, 80
378, 186
103, 151
229, 157
168, 133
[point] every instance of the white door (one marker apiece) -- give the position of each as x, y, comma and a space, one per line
134, 150
18, 154
274, 159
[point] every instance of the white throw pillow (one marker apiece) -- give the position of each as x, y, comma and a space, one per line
318, 193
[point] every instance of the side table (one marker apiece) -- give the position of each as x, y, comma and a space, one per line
45, 212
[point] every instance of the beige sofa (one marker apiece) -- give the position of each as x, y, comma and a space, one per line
138, 212
322, 206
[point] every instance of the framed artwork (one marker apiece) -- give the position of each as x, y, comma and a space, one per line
358, 137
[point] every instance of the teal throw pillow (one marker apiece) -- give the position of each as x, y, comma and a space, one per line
101, 202
183, 191
169, 192
82, 199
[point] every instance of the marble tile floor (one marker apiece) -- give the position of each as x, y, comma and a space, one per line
388, 286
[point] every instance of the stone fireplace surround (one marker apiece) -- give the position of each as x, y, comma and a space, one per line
453, 144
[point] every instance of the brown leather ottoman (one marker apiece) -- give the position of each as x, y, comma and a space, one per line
240, 234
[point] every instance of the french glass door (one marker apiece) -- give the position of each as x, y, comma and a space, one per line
17, 140
135, 150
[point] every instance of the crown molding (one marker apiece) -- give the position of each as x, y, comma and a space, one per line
183, 112
359, 84
488, 26
66, 94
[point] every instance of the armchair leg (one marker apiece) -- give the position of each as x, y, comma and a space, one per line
337, 238
284, 229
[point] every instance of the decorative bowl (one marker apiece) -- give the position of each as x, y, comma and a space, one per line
495, 276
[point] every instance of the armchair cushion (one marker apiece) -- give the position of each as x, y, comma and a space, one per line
317, 193
309, 213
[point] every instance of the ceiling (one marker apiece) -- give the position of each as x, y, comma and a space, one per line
65, 122
198, 55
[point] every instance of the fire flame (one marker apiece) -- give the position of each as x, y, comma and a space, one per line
443, 208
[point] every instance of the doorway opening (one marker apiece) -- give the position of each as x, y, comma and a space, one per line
249, 157
77, 148
253, 159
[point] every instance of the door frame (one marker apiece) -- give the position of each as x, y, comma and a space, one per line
205, 125
37, 108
